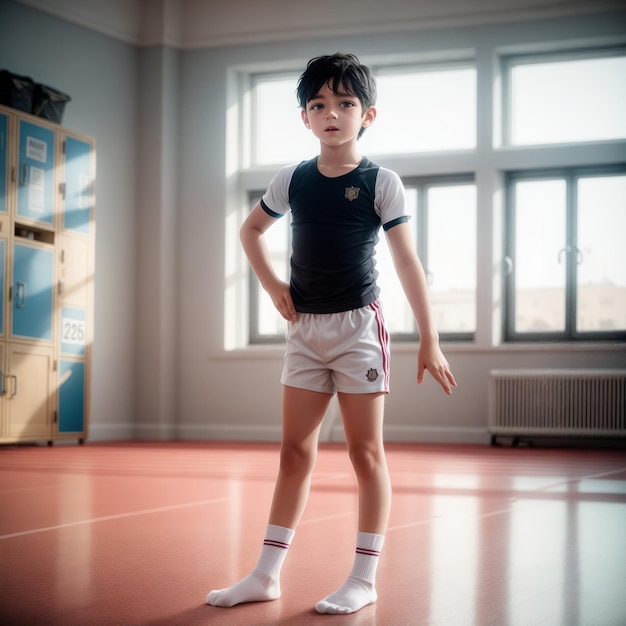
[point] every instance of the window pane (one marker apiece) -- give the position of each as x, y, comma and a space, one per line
540, 219
601, 255
270, 322
422, 111
452, 257
398, 315
565, 101
281, 136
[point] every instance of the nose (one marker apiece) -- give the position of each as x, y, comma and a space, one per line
331, 114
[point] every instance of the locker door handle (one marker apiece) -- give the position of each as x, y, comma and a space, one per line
22, 294
13, 386
2, 388
23, 177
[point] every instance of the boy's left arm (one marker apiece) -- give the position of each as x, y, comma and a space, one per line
413, 280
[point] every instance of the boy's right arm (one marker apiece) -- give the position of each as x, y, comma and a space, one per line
254, 245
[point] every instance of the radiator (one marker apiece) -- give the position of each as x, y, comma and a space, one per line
585, 403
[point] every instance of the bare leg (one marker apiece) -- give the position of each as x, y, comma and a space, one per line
363, 426
303, 412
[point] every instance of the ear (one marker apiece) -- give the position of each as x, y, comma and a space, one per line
305, 118
368, 117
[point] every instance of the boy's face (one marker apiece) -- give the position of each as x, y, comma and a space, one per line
336, 118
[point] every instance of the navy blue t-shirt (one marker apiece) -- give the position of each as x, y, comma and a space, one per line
335, 224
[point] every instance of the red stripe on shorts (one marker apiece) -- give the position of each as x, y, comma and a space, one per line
383, 338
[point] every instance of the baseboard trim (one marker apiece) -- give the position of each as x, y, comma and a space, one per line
241, 432
111, 432
218, 432
410, 434
422, 434
437, 434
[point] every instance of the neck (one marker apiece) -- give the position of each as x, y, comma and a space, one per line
334, 162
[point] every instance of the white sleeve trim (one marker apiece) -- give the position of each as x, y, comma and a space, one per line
390, 197
276, 197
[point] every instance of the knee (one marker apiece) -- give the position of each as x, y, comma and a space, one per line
296, 459
367, 460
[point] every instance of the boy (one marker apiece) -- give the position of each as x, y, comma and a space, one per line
336, 339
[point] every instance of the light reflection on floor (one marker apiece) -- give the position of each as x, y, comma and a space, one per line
138, 533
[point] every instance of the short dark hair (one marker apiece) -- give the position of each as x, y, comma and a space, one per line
337, 70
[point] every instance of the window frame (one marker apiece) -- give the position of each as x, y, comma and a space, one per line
508, 61
570, 176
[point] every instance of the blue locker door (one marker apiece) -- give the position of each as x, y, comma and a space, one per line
78, 200
71, 396
3, 162
33, 276
35, 196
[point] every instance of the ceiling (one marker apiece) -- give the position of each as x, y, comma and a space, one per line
189, 24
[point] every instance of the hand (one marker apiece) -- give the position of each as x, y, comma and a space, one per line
431, 358
281, 297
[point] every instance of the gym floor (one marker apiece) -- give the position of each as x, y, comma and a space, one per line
138, 533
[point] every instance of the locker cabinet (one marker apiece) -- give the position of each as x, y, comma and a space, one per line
47, 227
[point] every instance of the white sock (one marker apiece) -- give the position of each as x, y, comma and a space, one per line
358, 590
263, 583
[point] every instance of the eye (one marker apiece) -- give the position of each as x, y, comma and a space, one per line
316, 107
347, 104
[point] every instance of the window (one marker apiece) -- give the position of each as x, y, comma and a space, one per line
421, 109
565, 98
280, 135
566, 255
443, 219
424, 109
559, 227
444, 210
266, 324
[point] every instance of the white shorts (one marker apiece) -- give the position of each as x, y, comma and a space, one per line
346, 352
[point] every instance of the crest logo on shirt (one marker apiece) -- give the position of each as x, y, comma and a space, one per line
372, 375
352, 193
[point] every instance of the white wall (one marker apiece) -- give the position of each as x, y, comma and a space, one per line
159, 119
157, 251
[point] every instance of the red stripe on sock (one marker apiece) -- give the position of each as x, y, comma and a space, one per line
276, 544
368, 552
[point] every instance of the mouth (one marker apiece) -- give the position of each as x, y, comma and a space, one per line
332, 129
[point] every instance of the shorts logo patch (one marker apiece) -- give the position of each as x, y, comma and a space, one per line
372, 375
352, 193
